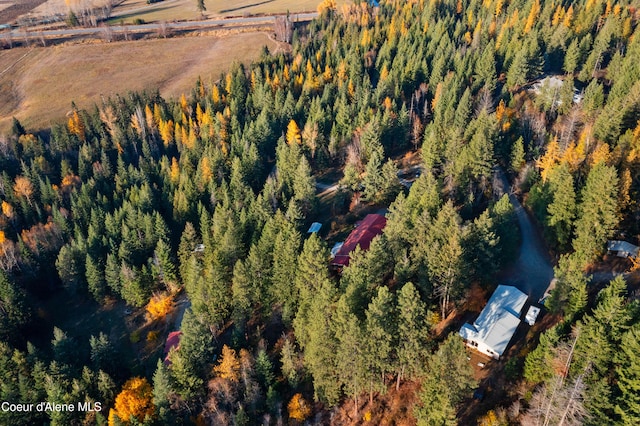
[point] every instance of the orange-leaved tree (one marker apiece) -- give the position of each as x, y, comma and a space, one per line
159, 306
298, 408
135, 400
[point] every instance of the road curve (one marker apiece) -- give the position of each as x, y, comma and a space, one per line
532, 272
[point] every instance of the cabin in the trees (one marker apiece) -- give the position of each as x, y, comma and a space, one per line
370, 227
173, 341
492, 331
622, 248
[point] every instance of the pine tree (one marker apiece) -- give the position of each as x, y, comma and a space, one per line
572, 57
14, 310
627, 407
349, 355
445, 258
562, 209
290, 365
162, 390
448, 379
517, 156
189, 362
95, 278
321, 346
597, 212
103, 354
413, 333
380, 331
372, 181
311, 276
166, 268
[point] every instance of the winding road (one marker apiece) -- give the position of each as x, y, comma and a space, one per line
532, 272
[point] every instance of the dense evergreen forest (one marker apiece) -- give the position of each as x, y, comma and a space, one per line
141, 200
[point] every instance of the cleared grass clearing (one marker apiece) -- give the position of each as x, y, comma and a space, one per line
38, 86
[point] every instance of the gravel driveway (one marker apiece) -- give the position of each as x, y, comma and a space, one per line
532, 272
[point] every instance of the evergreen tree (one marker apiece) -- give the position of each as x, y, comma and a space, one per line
562, 209
195, 351
627, 407
597, 212
413, 333
448, 379
162, 390
517, 160
14, 310
380, 331
447, 268
95, 278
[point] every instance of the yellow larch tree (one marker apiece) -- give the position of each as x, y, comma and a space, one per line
166, 132
135, 399
76, 125
293, 133
549, 159
148, 116
205, 170
159, 306
602, 154
533, 15
157, 114
7, 210
229, 365
557, 15
174, 174
573, 156
624, 198
215, 95
568, 16
183, 103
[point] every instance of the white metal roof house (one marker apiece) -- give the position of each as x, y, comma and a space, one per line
492, 331
622, 248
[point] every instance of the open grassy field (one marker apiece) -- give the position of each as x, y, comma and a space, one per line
169, 10
37, 86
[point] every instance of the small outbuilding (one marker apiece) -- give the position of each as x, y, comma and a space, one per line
492, 331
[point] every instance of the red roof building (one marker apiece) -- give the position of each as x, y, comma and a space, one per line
173, 341
370, 227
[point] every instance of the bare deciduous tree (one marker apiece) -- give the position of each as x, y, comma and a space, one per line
283, 29
107, 33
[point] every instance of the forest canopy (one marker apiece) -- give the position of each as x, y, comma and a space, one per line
141, 200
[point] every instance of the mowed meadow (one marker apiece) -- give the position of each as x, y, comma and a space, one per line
38, 85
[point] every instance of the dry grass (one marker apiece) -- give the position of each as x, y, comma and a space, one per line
40, 88
170, 10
